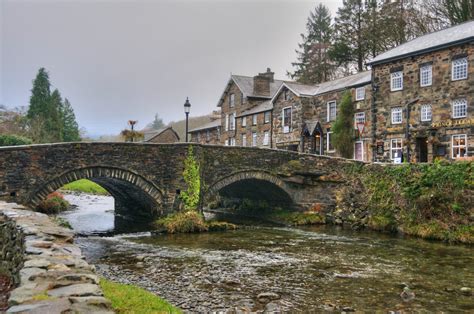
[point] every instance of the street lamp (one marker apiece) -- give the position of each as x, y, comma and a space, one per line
187, 108
132, 125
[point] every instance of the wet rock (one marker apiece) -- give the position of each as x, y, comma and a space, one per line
272, 308
466, 291
52, 306
38, 263
84, 289
267, 296
26, 274
348, 309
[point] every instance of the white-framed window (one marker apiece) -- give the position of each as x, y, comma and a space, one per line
359, 150
254, 119
232, 121
232, 141
329, 146
254, 139
332, 110
266, 117
396, 81
359, 117
396, 148
459, 69
459, 108
397, 115
244, 139
286, 119
266, 138
244, 121
227, 122
458, 145
208, 135
360, 93
426, 75
425, 113
232, 100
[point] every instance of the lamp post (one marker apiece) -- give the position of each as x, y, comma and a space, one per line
132, 125
187, 108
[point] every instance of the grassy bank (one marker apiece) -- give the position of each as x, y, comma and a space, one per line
131, 299
85, 186
190, 221
432, 201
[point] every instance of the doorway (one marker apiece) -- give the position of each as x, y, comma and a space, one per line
422, 149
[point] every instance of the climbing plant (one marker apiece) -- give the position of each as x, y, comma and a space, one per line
343, 129
192, 178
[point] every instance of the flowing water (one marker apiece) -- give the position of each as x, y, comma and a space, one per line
300, 269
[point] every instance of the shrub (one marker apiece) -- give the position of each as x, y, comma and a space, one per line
53, 204
183, 222
14, 140
220, 226
192, 178
298, 218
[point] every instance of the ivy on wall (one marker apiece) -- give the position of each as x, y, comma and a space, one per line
192, 179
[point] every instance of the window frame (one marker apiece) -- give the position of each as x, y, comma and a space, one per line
254, 139
266, 138
283, 125
454, 67
357, 98
392, 149
454, 105
329, 105
243, 121
430, 77
232, 122
208, 135
356, 119
243, 138
254, 119
328, 143
392, 78
232, 100
361, 142
422, 113
458, 146
392, 115
266, 114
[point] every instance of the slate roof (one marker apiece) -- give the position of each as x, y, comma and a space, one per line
360, 78
264, 106
302, 89
148, 136
434, 41
245, 84
210, 125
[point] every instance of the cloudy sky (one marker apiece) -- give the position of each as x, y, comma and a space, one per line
117, 60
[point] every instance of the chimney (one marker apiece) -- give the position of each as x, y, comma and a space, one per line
261, 83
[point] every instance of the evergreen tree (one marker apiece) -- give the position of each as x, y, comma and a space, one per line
54, 123
157, 123
343, 128
452, 12
314, 65
40, 94
70, 126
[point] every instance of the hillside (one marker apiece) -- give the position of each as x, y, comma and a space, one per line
194, 122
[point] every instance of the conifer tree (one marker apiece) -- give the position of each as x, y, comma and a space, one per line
40, 95
314, 65
54, 123
70, 126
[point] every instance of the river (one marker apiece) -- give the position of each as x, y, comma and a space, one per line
277, 268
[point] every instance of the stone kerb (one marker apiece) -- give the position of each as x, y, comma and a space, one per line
54, 277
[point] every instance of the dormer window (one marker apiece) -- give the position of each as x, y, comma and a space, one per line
232, 100
396, 81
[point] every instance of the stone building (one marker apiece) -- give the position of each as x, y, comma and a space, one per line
165, 135
209, 133
246, 109
423, 99
304, 114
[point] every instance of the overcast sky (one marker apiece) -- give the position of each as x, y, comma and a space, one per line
118, 60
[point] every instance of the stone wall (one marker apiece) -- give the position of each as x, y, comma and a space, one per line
54, 277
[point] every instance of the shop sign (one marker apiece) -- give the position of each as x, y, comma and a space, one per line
451, 123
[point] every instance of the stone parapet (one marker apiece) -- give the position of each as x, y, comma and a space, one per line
47, 268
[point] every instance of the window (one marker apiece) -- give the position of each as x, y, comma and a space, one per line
395, 148
329, 146
198, 137
254, 119
232, 121
266, 117
426, 75
208, 135
244, 121
458, 145
396, 81
286, 116
286, 94
254, 139
459, 108
332, 108
397, 115
244, 139
232, 100
241, 98
232, 141
266, 138
226, 122
426, 113
359, 117
459, 69
360, 93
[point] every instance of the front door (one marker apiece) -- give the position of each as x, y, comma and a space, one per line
318, 144
422, 149
359, 150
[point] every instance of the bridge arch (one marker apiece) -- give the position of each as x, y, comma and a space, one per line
134, 195
252, 184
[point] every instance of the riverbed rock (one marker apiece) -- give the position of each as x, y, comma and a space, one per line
51, 306
267, 296
466, 291
37, 263
83, 289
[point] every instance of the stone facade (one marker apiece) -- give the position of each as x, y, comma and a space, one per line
426, 140
209, 133
256, 130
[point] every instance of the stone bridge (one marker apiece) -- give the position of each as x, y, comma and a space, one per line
145, 179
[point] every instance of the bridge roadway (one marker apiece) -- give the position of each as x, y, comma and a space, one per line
145, 179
